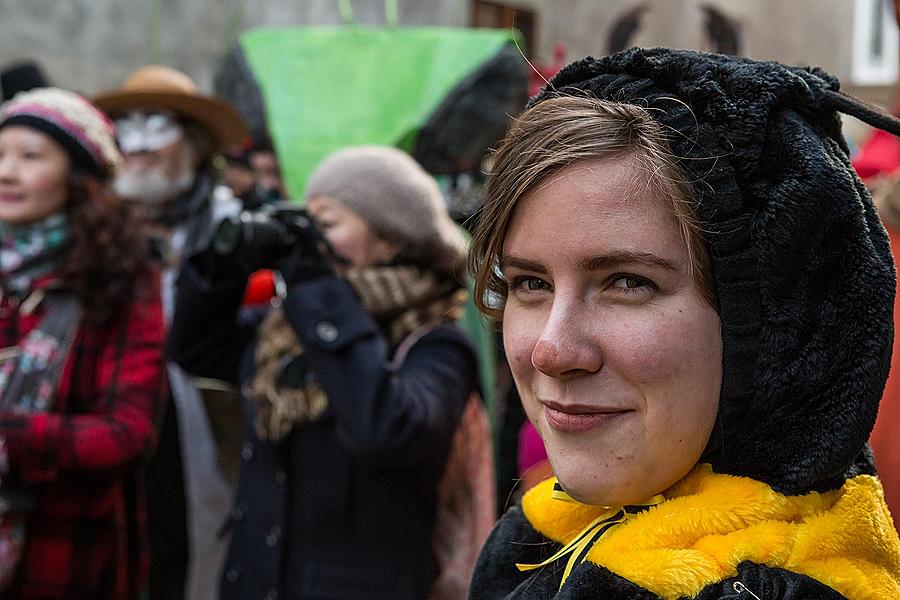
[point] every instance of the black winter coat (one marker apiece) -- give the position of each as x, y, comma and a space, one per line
343, 507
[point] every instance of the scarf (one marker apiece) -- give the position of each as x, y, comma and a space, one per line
401, 299
710, 523
31, 251
580, 545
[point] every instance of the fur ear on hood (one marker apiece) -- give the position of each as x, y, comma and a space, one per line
802, 267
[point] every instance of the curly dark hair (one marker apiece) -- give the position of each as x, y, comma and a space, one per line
109, 251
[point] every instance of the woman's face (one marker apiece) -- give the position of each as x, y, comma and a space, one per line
34, 173
617, 357
349, 234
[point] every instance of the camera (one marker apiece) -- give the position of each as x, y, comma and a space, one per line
272, 227
265, 237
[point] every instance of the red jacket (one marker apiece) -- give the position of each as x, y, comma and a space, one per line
82, 461
880, 156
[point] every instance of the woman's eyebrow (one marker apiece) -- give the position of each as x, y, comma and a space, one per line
613, 259
521, 263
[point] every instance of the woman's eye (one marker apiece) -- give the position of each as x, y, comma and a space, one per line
528, 284
632, 283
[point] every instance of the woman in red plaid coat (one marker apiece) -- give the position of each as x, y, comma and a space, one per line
81, 338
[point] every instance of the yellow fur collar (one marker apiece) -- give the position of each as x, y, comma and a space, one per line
710, 523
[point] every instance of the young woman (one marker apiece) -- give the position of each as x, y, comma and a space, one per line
80, 374
356, 382
696, 297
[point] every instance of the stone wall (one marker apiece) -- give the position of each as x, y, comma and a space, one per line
796, 32
90, 45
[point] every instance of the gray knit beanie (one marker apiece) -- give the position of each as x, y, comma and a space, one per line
395, 196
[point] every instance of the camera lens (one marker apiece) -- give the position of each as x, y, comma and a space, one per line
227, 237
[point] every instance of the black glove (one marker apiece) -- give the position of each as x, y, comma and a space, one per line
306, 259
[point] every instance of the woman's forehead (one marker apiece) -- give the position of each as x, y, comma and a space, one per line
596, 206
320, 204
26, 134
602, 189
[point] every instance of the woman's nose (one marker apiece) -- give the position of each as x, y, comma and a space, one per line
7, 168
566, 347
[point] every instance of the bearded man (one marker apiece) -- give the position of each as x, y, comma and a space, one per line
170, 135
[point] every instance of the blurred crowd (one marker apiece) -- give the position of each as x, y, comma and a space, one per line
236, 395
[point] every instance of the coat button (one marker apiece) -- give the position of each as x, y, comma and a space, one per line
273, 536
271, 595
247, 451
280, 476
326, 331
232, 575
238, 512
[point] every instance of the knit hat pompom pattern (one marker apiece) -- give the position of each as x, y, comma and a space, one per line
393, 194
802, 266
78, 126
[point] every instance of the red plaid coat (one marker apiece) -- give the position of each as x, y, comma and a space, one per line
86, 537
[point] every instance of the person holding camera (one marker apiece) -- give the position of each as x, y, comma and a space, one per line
354, 383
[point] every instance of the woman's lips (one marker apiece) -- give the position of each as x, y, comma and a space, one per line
577, 418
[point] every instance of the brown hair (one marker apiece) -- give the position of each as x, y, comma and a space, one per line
558, 133
108, 253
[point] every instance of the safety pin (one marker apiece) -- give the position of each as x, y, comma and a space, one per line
740, 588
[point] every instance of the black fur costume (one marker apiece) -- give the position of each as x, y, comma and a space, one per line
805, 285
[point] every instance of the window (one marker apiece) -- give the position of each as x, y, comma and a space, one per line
875, 43
497, 15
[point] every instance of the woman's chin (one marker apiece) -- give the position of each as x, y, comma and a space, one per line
601, 491
600, 487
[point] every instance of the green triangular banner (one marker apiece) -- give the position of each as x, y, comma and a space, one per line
329, 87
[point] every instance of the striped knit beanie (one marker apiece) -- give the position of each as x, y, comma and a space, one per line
86, 133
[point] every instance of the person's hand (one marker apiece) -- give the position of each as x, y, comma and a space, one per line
306, 260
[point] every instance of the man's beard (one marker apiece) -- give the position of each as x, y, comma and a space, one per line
152, 186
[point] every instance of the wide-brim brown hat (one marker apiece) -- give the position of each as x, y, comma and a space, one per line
158, 86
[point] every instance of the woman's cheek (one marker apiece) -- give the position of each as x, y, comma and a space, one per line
518, 342
656, 348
